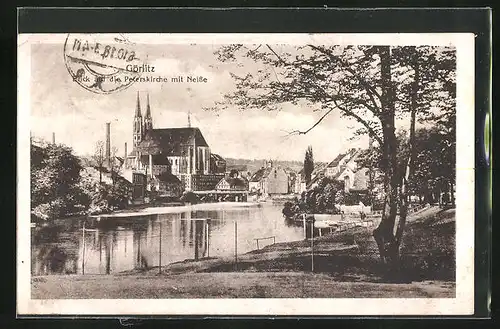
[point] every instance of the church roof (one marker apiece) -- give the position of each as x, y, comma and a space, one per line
167, 177
169, 141
216, 157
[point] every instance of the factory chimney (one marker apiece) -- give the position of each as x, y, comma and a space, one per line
53, 138
108, 142
125, 156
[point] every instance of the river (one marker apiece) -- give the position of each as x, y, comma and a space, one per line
115, 244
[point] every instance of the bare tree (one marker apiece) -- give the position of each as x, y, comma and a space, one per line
99, 158
115, 166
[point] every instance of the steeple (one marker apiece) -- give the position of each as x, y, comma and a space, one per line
137, 131
138, 107
148, 108
148, 119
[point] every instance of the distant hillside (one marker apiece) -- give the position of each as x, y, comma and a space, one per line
256, 164
251, 165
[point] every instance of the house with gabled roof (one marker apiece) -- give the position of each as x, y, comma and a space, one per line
343, 168
269, 180
342, 160
232, 184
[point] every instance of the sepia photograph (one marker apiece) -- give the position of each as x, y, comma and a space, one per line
313, 174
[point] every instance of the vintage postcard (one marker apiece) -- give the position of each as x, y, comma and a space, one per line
245, 174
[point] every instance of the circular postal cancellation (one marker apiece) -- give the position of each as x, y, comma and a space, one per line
102, 63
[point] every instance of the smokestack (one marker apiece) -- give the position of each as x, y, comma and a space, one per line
108, 141
125, 157
53, 138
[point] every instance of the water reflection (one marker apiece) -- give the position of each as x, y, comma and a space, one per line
115, 245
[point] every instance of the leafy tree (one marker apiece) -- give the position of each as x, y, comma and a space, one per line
308, 164
372, 85
55, 177
319, 200
434, 165
189, 197
105, 197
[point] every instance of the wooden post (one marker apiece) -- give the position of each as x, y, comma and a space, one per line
100, 251
196, 250
151, 165
304, 224
208, 241
83, 248
257, 243
312, 246
236, 245
159, 261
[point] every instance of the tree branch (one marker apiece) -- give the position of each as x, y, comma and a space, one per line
369, 89
298, 132
371, 131
272, 50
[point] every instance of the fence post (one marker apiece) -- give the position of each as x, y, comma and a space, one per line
208, 240
196, 247
304, 224
236, 245
312, 246
159, 259
83, 248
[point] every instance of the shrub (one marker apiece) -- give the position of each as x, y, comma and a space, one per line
189, 197
51, 210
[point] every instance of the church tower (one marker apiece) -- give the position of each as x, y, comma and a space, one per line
138, 123
148, 119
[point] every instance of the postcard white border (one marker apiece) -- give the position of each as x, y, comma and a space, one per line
462, 304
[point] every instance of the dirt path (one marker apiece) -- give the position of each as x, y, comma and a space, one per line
227, 285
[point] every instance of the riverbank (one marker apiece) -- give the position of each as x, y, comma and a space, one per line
176, 208
345, 265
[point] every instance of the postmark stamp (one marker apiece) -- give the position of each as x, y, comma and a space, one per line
100, 64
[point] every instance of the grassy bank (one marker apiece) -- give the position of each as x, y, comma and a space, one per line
428, 253
345, 265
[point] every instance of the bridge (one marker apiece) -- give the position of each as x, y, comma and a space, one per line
222, 195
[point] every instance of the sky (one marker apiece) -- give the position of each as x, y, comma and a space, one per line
78, 116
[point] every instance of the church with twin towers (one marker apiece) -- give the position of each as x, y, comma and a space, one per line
162, 153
